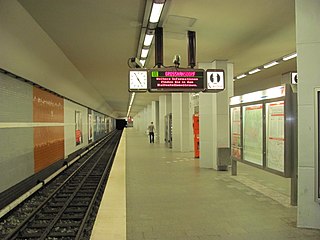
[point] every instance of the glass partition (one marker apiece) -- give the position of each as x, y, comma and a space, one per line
236, 132
275, 135
253, 134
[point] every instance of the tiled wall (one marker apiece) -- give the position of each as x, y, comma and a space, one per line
16, 133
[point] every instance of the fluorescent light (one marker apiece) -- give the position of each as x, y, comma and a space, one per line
130, 105
235, 100
128, 113
147, 40
241, 76
274, 92
156, 12
293, 55
143, 62
251, 97
132, 98
270, 64
144, 53
254, 71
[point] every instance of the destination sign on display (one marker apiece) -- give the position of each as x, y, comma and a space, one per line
177, 80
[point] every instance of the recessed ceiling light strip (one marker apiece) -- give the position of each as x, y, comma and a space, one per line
267, 65
271, 64
288, 57
254, 71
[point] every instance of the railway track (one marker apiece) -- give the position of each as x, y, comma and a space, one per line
66, 207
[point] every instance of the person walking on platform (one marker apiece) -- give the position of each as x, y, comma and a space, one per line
151, 132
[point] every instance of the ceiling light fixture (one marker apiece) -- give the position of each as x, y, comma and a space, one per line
156, 12
267, 65
143, 62
150, 22
241, 76
151, 18
288, 57
148, 39
130, 104
144, 53
254, 71
270, 64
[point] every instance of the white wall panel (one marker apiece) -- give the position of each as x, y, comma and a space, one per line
16, 155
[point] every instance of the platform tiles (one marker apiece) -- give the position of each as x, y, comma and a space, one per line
169, 197
111, 218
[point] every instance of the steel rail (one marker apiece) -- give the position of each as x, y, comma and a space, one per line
23, 225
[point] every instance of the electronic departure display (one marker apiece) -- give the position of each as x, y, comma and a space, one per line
176, 80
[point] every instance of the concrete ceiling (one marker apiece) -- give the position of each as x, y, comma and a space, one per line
98, 37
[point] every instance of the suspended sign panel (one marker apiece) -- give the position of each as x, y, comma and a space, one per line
176, 80
294, 78
214, 80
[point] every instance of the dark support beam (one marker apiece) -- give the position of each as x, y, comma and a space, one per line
159, 47
191, 49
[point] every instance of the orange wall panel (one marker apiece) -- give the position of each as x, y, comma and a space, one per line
48, 140
47, 107
48, 146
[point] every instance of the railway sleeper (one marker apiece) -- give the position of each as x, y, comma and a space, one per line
68, 224
72, 216
79, 210
26, 235
60, 199
45, 217
61, 235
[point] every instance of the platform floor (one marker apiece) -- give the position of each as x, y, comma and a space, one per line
170, 198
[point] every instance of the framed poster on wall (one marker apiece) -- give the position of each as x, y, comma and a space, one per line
253, 133
78, 127
90, 126
275, 140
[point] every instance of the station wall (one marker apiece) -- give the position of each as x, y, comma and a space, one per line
39, 128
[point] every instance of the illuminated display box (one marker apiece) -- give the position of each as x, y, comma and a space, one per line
262, 129
176, 80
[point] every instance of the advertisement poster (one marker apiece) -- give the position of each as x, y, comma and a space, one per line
98, 123
275, 135
252, 134
78, 123
235, 133
90, 127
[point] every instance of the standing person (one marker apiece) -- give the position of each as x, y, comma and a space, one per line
151, 132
